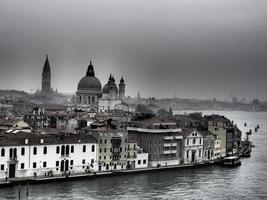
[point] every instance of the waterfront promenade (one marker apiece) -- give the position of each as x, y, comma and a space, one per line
70, 177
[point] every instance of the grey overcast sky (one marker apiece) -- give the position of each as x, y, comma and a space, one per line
191, 48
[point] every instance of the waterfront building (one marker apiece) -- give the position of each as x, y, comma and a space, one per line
161, 139
228, 133
193, 146
217, 149
115, 151
32, 154
208, 145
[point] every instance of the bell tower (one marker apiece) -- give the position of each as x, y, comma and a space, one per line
46, 77
122, 89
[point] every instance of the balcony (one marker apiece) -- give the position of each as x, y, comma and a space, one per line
168, 138
167, 152
178, 137
167, 144
173, 151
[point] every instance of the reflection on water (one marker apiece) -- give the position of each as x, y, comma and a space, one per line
245, 182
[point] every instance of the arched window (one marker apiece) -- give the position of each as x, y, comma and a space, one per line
22, 151
67, 150
84, 148
11, 153
72, 149
62, 150
187, 154
58, 149
15, 152
194, 140
3, 152
45, 150
34, 150
93, 148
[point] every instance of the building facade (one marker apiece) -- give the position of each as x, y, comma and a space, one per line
33, 155
161, 140
193, 146
115, 152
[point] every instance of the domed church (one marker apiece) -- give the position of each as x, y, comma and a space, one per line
91, 98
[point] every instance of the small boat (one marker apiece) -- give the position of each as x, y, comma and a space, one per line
231, 161
245, 124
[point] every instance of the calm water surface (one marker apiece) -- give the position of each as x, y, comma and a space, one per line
249, 181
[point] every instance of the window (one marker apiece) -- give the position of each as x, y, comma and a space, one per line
3, 152
194, 140
83, 161
57, 163
199, 153
187, 154
34, 165
62, 150
22, 151
144, 161
67, 150
72, 149
44, 164
105, 150
84, 148
21, 165
187, 142
100, 141
105, 141
92, 161
71, 162
34, 150
93, 148
100, 150
104, 157
125, 140
139, 162
45, 150
2, 167
110, 149
57, 150
200, 141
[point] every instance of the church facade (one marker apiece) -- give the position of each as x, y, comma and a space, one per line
91, 97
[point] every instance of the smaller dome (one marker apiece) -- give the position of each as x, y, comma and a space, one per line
110, 86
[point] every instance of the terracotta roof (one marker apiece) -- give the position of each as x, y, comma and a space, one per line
18, 139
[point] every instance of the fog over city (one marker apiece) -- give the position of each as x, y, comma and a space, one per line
188, 48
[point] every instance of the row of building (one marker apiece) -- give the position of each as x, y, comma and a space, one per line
104, 146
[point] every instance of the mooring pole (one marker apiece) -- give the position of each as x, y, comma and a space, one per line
27, 191
19, 191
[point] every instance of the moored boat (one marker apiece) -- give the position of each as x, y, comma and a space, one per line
231, 161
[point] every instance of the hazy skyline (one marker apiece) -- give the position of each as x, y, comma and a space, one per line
188, 48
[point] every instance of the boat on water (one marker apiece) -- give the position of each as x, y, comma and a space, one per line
231, 161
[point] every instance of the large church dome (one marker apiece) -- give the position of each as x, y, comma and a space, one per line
90, 82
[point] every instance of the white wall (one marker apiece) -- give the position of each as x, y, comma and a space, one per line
50, 158
143, 158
